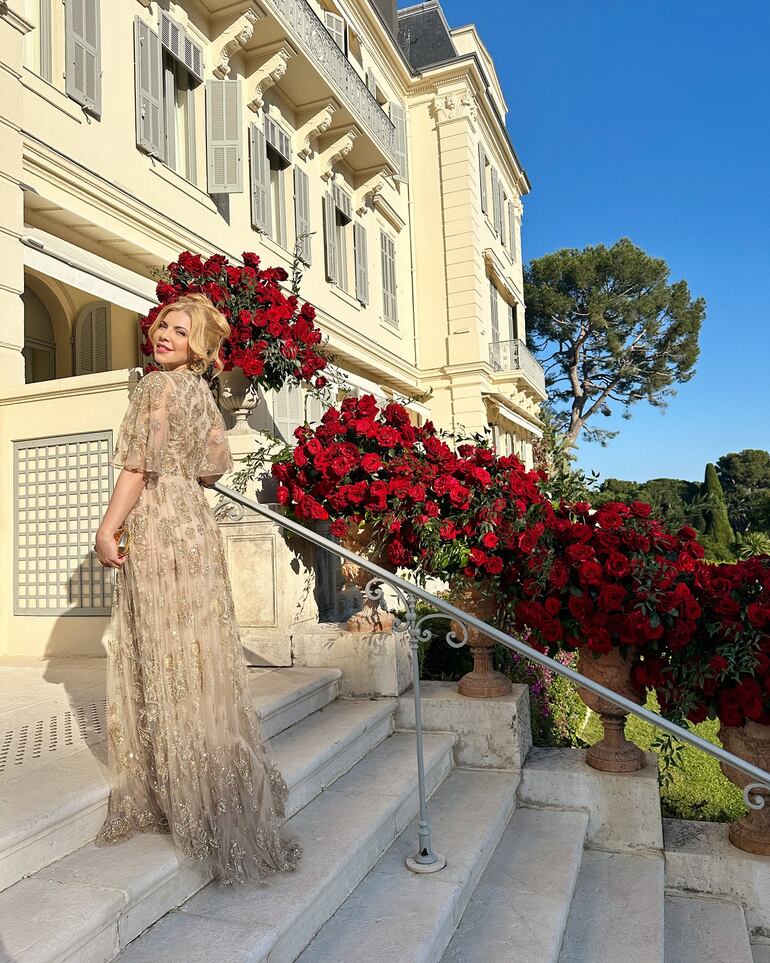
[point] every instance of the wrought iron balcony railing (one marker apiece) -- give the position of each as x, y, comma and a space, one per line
309, 33
515, 355
756, 794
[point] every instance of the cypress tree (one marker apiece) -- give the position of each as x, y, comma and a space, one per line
717, 522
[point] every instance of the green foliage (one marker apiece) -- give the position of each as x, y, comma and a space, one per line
554, 454
610, 330
692, 784
718, 528
753, 543
745, 478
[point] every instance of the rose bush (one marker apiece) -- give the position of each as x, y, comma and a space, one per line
273, 339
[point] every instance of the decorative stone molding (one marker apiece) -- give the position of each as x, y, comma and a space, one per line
269, 73
317, 124
497, 270
336, 151
389, 213
15, 18
368, 191
239, 34
453, 104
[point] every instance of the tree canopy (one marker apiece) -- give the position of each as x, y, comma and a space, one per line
610, 330
745, 478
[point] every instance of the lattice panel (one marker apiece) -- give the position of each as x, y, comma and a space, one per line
35, 742
63, 487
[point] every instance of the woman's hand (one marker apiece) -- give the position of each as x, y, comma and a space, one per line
106, 549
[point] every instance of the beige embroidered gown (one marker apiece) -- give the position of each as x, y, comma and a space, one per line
186, 753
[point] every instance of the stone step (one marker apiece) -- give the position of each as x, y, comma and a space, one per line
520, 907
617, 910
403, 917
702, 929
39, 826
343, 832
88, 904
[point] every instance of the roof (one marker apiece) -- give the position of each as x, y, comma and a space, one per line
424, 35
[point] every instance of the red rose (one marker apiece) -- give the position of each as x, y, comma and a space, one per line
489, 540
559, 574
758, 615
590, 573
494, 565
371, 462
339, 528
617, 565
611, 598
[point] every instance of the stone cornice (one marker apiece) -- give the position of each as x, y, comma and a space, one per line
15, 19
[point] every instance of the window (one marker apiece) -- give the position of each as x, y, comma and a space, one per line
494, 316
514, 233
338, 29
398, 116
503, 209
37, 43
513, 323
338, 216
278, 146
389, 286
179, 117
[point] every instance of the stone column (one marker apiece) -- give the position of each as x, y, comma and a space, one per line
454, 109
13, 27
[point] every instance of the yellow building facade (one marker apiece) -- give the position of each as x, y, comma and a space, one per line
132, 131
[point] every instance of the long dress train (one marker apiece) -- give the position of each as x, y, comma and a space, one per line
186, 752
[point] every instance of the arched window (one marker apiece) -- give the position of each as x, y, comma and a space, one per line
92, 339
39, 342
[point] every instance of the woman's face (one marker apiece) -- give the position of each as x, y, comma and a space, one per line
171, 337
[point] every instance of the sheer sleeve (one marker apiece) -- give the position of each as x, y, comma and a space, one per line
144, 432
216, 458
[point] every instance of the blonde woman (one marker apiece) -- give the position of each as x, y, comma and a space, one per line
186, 754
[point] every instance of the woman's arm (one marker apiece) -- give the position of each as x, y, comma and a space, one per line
125, 495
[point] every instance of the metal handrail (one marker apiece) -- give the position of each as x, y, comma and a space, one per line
409, 593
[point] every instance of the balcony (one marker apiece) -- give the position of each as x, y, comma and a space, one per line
317, 72
516, 356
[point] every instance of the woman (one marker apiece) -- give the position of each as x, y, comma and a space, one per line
186, 754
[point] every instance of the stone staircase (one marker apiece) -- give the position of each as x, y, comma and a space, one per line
549, 861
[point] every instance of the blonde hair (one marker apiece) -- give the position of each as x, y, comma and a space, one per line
208, 329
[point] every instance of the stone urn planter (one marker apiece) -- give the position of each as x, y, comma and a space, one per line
372, 616
751, 742
240, 397
614, 753
482, 682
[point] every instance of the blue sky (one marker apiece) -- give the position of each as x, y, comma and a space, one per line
649, 119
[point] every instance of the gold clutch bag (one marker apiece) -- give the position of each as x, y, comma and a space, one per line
121, 539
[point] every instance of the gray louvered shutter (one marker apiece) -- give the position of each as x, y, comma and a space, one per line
302, 212
494, 316
398, 116
46, 45
224, 137
389, 290
330, 223
495, 200
260, 180
92, 339
149, 90
181, 46
514, 236
83, 73
501, 208
288, 412
362, 265
483, 179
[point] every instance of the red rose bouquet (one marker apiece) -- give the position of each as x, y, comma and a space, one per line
273, 339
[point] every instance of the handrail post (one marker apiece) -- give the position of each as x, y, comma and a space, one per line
426, 860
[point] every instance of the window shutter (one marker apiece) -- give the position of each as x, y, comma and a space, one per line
362, 266
512, 333
330, 218
483, 179
149, 87
494, 317
336, 27
371, 83
260, 180
501, 206
495, 200
82, 42
388, 258
278, 139
92, 339
46, 46
398, 116
288, 411
513, 233
224, 147
181, 46
302, 212
343, 202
